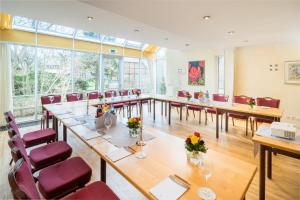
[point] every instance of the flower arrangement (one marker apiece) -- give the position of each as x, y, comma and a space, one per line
138, 93
188, 96
105, 107
251, 103
101, 97
134, 123
194, 143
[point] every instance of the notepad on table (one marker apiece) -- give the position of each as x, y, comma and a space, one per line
169, 189
118, 154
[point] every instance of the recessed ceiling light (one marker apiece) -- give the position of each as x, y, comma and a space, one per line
136, 30
166, 38
90, 18
231, 32
246, 41
207, 17
187, 44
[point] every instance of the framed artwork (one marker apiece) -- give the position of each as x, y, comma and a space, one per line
196, 72
292, 72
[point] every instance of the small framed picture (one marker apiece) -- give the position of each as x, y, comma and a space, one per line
292, 72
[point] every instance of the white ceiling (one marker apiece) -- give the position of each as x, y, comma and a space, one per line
254, 21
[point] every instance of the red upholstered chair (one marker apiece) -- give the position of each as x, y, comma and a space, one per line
266, 102
220, 98
194, 108
139, 91
42, 156
110, 93
241, 100
181, 93
93, 95
49, 99
74, 97
23, 186
123, 92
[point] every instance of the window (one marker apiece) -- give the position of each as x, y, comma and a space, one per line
131, 73
23, 23
53, 29
146, 76
133, 44
111, 66
113, 40
89, 36
221, 75
23, 74
86, 71
161, 65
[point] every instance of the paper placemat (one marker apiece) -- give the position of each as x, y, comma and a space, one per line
266, 131
61, 112
118, 154
168, 189
72, 122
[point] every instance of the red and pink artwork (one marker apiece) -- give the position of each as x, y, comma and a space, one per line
196, 72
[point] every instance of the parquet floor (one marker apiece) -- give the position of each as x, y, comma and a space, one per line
285, 184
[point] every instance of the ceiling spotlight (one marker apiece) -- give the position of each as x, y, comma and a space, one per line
90, 18
187, 45
206, 17
166, 38
136, 30
246, 41
231, 32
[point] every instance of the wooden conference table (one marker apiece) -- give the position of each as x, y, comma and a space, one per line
258, 111
166, 156
272, 145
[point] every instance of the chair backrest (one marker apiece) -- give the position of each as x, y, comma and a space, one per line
241, 99
220, 97
123, 92
18, 149
13, 129
21, 182
182, 93
9, 116
136, 91
73, 97
110, 93
93, 95
47, 99
268, 102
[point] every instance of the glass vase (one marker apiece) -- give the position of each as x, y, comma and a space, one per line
133, 132
195, 157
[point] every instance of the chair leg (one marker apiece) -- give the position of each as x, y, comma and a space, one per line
199, 116
177, 110
211, 115
247, 127
187, 114
256, 125
194, 114
221, 122
205, 118
232, 121
10, 162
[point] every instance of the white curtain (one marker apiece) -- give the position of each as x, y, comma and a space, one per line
5, 82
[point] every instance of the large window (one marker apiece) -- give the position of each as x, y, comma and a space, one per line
131, 73
86, 71
111, 66
146, 76
161, 65
221, 75
23, 73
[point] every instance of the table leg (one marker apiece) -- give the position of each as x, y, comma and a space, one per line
226, 122
65, 133
166, 108
141, 108
217, 124
103, 170
149, 105
269, 169
170, 113
154, 109
56, 127
47, 119
180, 117
262, 173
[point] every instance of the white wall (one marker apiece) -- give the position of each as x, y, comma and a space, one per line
253, 77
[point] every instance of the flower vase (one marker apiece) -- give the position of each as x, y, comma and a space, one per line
133, 132
195, 157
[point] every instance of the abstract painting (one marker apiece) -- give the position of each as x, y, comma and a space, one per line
292, 72
196, 72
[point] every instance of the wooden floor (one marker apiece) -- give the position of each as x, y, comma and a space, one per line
286, 171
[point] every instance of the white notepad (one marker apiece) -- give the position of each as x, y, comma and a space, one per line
118, 154
168, 189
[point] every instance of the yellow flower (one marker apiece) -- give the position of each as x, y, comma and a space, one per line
194, 139
130, 120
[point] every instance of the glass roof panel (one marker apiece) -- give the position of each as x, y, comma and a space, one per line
85, 35
49, 28
23, 23
133, 44
113, 40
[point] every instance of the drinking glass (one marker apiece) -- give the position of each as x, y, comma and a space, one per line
206, 172
51, 98
78, 96
107, 121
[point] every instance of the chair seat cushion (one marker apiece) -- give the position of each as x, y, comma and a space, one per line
238, 116
132, 103
263, 120
118, 105
94, 191
39, 137
175, 104
64, 177
193, 107
49, 154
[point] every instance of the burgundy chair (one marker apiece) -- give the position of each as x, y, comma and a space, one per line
220, 98
74, 97
194, 108
181, 93
241, 100
93, 95
110, 93
23, 186
42, 156
123, 92
139, 91
47, 100
267, 102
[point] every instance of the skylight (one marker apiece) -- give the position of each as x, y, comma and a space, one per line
23, 23
90, 36
48, 28
113, 40
133, 44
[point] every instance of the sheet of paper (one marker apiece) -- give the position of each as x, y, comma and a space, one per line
168, 189
118, 154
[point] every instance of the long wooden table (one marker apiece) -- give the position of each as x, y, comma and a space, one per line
270, 113
272, 145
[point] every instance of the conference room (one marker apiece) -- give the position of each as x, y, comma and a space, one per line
135, 99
